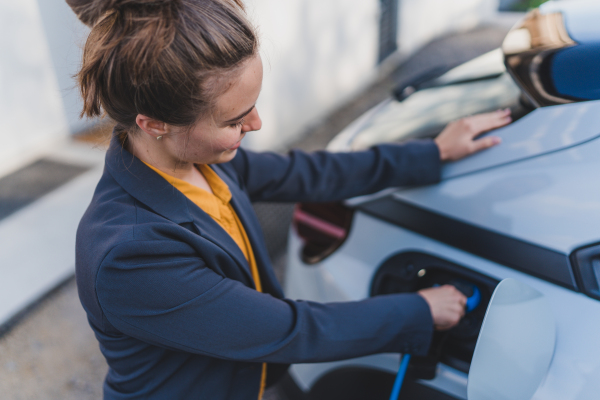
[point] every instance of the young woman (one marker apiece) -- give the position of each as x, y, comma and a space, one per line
172, 267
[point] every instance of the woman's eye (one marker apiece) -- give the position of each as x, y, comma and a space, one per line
237, 124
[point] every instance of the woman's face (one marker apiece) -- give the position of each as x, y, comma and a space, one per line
215, 139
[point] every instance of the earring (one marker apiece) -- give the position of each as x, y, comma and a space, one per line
159, 137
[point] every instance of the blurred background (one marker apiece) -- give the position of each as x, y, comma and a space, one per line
327, 62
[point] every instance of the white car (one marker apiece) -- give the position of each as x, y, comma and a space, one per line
525, 213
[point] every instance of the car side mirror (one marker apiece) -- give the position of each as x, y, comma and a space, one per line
515, 345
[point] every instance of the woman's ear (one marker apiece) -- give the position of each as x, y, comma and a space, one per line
152, 127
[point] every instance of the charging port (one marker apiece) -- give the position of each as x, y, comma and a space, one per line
413, 271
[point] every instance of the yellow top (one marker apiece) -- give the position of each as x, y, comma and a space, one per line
218, 206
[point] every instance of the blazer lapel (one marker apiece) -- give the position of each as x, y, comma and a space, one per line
145, 185
156, 193
209, 229
245, 212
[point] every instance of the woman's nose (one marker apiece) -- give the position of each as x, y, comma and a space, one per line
252, 121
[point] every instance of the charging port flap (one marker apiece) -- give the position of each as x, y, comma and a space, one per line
515, 345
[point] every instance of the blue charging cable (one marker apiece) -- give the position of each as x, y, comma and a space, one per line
472, 302
400, 377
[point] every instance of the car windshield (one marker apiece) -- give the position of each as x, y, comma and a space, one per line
427, 111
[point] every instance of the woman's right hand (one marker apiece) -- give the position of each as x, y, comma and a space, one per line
459, 138
447, 305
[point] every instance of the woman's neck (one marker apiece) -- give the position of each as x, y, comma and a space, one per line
153, 154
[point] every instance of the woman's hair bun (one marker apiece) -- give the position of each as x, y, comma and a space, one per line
91, 11
165, 59
119, 4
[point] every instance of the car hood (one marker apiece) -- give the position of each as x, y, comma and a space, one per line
540, 186
545, 130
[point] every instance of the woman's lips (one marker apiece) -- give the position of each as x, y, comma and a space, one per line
238, 143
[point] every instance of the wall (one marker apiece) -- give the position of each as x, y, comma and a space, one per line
423, 20
31, 110
316, 53
65, 36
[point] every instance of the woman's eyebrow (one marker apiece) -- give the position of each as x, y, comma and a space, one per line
240, 116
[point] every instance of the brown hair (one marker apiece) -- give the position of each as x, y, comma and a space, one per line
165, 59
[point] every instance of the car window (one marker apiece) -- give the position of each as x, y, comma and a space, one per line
426, 112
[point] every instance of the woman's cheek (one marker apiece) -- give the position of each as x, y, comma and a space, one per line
213, 145
228, 139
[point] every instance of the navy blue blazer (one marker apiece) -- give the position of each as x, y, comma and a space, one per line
170, 295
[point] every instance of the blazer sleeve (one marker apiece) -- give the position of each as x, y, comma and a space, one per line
161, 292
326, 176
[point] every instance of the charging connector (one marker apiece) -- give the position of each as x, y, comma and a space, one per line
473, 299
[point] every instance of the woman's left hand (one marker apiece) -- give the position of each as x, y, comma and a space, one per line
458, 139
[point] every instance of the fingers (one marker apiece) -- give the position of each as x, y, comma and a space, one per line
456, 303
457, 139
462, 299
481, 123
447, 305
485, 143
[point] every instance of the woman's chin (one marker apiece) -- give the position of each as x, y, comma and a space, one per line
226, 156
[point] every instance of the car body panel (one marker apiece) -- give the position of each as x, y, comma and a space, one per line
447, 380
575, 368
550, 200
528, 209
308, 374
543, 131
515, 345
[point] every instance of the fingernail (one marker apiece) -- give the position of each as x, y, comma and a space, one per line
496, 140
